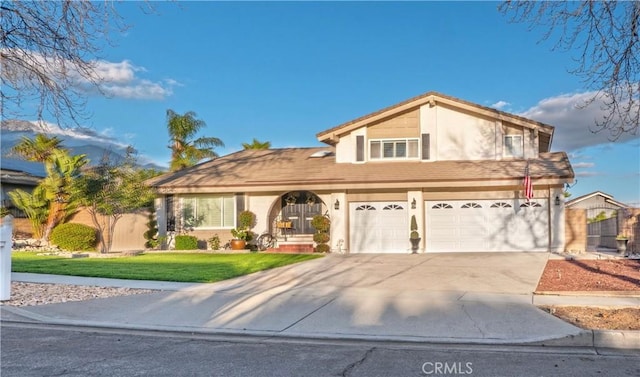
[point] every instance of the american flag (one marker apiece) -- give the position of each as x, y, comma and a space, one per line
527, 185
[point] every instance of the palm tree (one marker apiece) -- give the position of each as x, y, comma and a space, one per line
38, 149
62, 172
184, 151
34, 205
256, 144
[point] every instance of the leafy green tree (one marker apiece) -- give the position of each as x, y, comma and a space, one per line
185, 151
59, 184
109, 191
257, 144
38, 149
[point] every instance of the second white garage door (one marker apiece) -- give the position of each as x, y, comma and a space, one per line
378, 227
487, 225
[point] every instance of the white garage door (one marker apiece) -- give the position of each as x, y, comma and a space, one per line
487, 225
378, 227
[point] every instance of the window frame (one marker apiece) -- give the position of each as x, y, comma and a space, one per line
381, 149
230, 199
508, 152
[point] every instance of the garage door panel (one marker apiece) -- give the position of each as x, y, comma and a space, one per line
378, 227
486, 225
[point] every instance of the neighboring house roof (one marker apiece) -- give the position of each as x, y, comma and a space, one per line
331, 135
294, 168
18, 178
607, 198
20, 172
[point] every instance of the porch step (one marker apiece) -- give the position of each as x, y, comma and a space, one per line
291, 247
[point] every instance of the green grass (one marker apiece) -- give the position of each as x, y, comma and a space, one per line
182, 267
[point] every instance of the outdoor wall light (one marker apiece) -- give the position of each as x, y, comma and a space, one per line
557, 200
413, 203
336, 205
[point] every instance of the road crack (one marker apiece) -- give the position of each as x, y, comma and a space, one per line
347, 371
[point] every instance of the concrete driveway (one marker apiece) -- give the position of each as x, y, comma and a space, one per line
494, 273
470, 298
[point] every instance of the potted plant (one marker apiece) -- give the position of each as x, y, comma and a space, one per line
414, 236
621, 243
242, 233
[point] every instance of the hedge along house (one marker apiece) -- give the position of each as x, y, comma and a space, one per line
457, 166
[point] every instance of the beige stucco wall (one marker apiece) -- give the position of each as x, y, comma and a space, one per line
261, 206
462, 136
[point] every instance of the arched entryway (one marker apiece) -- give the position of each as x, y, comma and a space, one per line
299, 208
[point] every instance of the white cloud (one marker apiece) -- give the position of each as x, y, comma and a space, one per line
587, 174
115, 79
573, 121
74, 136
500, 105
583, 165
121, 80
123, 72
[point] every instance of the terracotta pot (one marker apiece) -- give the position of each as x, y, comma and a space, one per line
238, 244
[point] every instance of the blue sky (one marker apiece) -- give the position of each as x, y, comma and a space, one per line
285, 71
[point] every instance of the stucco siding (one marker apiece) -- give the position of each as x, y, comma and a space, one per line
461, 136
345, 149
261, 206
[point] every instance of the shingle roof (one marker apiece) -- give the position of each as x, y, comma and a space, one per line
253, 170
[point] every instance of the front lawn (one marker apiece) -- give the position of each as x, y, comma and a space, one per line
182, 267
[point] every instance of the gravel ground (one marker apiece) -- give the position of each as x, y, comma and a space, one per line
30, 294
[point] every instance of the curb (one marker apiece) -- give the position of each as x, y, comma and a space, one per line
616, 339
619, 339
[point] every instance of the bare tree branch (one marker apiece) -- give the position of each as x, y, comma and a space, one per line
48, 56
605, 36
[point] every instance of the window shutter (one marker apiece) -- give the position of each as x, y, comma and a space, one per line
239, 204
360, 148
425, 146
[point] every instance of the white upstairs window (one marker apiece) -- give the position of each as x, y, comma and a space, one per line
513, 146
394, 149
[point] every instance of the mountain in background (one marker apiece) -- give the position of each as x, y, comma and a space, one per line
77, 140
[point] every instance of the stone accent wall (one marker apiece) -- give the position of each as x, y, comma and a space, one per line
575, 230
629, 225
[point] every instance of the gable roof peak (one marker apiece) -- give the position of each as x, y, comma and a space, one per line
431, 98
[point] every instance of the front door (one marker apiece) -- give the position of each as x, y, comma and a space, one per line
300, 207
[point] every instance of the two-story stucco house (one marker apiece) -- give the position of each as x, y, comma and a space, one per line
457, 166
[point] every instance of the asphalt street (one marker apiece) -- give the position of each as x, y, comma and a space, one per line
31, 349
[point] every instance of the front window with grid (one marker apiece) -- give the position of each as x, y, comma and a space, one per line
208, 212
393, 149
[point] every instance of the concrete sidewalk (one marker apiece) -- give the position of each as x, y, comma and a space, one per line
333, 297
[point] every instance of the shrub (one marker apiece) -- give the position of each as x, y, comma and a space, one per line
246, 220
151, 235
323, 248
185, 242
321, 223
73, 237
214, 242
321, 237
